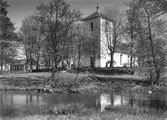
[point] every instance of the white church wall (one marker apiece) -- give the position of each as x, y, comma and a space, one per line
104, 51
121, 60
103, 38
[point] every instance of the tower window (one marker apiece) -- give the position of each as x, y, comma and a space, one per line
107, 26
91, 26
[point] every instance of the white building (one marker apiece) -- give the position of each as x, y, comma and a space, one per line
97, 23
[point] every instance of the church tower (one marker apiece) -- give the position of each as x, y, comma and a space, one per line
101, 26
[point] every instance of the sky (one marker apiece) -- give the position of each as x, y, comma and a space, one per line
19, 9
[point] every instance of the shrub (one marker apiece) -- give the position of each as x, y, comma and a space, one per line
42, 70
110, 71
64, 109
104, 70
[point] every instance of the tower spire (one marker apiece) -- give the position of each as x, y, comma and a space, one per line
97, 7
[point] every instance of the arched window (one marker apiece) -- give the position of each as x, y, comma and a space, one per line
91, 26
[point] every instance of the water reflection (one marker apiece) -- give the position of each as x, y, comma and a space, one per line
142, 102
105, 100
10, 100
19, 99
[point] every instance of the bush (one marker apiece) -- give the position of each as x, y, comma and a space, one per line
110, 71
42, 70
73, 108
107, 71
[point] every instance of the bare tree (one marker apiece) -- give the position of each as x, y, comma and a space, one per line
118, 19
57, 19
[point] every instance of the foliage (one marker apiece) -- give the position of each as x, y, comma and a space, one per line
8, 39
83, 45
147, 32
32, 39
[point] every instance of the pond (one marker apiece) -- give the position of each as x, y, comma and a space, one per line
13, 104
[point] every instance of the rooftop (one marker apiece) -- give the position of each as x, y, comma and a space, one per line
96, 15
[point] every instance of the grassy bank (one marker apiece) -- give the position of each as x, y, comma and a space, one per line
69, 82
27, 81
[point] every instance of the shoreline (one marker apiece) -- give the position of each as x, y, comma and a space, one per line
85, 83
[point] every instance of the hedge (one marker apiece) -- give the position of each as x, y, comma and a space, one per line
108, 71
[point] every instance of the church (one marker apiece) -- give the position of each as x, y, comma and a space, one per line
97, 23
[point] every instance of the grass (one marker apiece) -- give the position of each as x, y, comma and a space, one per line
65, 82
122, 77
27, 81
80, 112
94, 116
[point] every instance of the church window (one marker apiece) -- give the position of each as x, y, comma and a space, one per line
107, 31
91, 26
128, 59
120, 59
107, 26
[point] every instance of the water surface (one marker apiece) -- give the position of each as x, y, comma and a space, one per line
15, 104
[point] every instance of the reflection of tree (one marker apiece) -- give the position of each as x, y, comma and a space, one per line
26, 100
1, 100
12, 103
158, 102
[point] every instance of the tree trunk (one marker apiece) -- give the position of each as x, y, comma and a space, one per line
131, 49
152, 52
131, 56
1, 65
157, 77
30, 66
52, 78
112, 51
111, 58
37, 64
1, 58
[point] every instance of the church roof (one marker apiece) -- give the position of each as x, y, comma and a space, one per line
97, 14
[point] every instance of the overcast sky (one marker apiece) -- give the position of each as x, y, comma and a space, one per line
19, 9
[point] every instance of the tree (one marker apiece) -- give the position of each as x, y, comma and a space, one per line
148, 14
83, 45
32, 39
118, 18
58, 20
8, 39
131, 32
